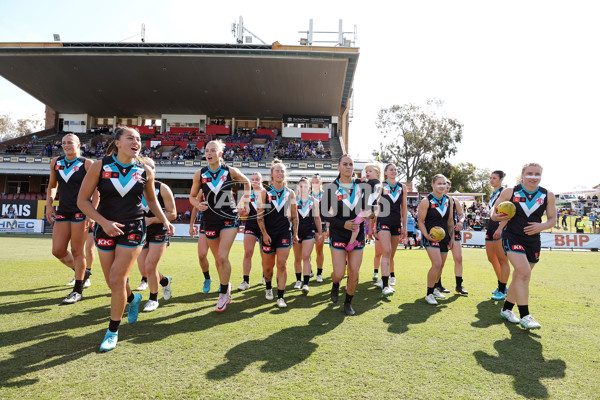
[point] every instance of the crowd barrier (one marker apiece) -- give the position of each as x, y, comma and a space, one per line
549, 240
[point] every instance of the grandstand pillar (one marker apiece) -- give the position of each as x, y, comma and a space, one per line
35, 182
257, 123
139, 121
51, 118
232, 125
115, 120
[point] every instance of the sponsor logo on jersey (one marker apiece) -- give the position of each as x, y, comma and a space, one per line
75, 168
133, 236
105, 242
159, 237
78, 215
137, 176
517, 247
204, 180
59, 167
210, 233
434, 244
228, 223
537, 255
285, 241
339, 244
58, 216
266, 248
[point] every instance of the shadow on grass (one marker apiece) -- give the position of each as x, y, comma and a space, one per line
39, 305
488, 314
414, 313
290, 346
34, 291
521, 357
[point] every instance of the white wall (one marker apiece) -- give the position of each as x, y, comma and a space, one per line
297, 132
74, 122
183, 119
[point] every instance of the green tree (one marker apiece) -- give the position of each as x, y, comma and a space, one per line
416, 139
11, 128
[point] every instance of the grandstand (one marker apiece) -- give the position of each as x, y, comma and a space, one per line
261, 100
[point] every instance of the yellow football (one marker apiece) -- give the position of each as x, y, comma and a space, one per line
437, 233
508, 208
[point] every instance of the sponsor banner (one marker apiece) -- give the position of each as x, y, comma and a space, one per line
21, 225
549, 240
23, 208
306, 119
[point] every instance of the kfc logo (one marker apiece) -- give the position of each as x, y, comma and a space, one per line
210, 233
339, 244
266, 249
385, 227
517, 247
105, 242
58, 216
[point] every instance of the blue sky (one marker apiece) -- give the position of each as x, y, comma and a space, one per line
521, 76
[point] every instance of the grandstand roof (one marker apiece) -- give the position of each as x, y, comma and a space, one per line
150, 79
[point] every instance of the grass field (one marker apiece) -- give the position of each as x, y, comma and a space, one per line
395, 348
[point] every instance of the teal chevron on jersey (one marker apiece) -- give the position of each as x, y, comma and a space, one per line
67, 168
394, 192
278, 197
304, 207
529, 201
125, 176
494, 196
215, 179
349, 195
441, 204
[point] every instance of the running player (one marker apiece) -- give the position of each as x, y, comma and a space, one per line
121, 180
521, 238
220, 219
156, 242
316, 192
309, 222
436, 210
342, 201
277, 208
251, 230
202, 246
493, 243
391, 225
459, 218
66, 174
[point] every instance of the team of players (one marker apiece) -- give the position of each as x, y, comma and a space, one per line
133, 212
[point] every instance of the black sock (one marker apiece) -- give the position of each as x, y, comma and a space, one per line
429, 290
459, 281
206, 274
130, 298
280, 293
501, 287
268, 285
298, 276
392, 275
523, 310
375, 270
224, 288
319, 271
154, 296
247, 279
385, 280
335, 286
164, 281
306, 279
438, 284
507, 305
88, 272
348, 298
113, 326
78, 286
144, 279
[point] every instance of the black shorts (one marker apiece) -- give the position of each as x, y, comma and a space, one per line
324, 227
410, 234
393, 229
531, 249
339, 241
457, 236
442, 246
252, 230
212, 230
92, 228
279, 240
156, 233
134, 235
491, 229
305, 234
69, 216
